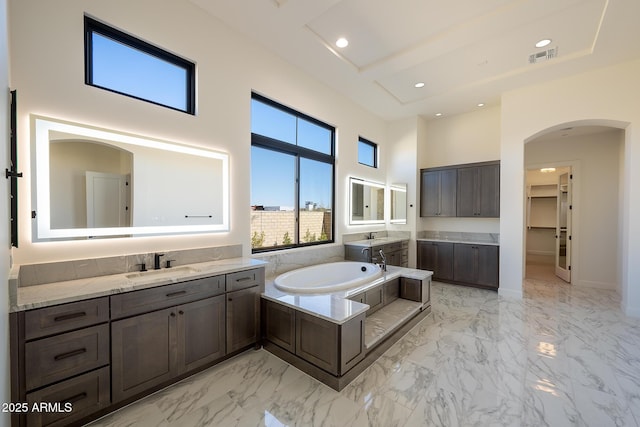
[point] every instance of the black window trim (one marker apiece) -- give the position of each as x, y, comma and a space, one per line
298, 152
375, 152
92, 25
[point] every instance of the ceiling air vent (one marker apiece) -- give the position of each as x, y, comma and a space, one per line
544, 55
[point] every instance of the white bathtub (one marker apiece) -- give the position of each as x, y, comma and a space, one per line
325, 278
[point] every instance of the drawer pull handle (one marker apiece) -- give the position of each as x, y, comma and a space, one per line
70, 354
74, 399
69, 316
175, 294
244, 279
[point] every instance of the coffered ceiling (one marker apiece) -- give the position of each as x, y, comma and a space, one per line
465, 52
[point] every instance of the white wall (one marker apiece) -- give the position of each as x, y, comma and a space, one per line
465, 138
5, 395
595, 199
47, 69
402, 167
606, 96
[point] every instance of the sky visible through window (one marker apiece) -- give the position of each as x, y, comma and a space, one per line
273, 173
124, 69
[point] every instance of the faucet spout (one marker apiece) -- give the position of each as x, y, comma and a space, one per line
156, 261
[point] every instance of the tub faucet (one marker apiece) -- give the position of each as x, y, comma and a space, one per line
156, 261
383, 265
367, 250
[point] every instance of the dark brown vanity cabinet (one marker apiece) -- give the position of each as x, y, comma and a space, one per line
152, 348
243, 308
438, 192
476, 264
242, 318
436, 257
60, 354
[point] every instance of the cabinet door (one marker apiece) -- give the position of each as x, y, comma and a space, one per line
467, 196
488, 265
201, 332
465, 263
430, 193
279, 325
438, 193
436, 257
143, 352
489, 197
317, 341
448, 192
242, 318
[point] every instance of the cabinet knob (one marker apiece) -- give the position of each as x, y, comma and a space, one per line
181, 312
173, 314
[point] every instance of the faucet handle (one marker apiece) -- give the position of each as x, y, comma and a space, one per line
169, 261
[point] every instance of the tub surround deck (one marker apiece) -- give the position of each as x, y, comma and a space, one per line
43, 295
460, 237
336, 307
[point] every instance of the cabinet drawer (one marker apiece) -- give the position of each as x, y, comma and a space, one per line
146, 300
245, 279
66, 317
55, 358
391, 247
84, 394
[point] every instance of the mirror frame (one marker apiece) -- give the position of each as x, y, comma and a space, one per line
353, 180
42, 231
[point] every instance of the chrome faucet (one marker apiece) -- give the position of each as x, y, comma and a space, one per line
368, 250
370, 236
383, 265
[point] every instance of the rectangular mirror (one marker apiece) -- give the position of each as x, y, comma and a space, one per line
398, 200
92, 183
367, 202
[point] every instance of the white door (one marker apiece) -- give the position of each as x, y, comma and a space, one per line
107, 201
563, 227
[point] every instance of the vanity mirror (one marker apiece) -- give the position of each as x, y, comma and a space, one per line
398, 196
92, 182
366, 202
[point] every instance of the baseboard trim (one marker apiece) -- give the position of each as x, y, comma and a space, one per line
597, 285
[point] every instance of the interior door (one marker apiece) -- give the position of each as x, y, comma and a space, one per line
563, 228
107, 201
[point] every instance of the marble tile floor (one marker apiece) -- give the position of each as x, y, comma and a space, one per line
562, 356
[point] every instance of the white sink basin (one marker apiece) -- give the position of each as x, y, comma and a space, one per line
161, 274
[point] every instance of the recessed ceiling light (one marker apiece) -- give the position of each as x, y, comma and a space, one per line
481, 104
419, 84
438, 114
342, 42
547, 170
543, 43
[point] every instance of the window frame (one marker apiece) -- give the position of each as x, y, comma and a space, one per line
298, 152
372, 144
92, 26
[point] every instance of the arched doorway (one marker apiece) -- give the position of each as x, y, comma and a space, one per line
589, 251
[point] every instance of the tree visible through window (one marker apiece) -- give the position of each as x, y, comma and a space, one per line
292, 177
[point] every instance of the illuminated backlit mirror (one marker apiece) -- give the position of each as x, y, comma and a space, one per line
367, 202
91, 183
398, 201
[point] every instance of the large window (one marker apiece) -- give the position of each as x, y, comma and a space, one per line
292, 178
121, 63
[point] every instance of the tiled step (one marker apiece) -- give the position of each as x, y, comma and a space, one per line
388, 319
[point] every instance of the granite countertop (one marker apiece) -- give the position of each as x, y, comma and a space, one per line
336, 307
37, 296
460, 237
367, 243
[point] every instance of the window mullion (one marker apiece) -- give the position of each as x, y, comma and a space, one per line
296, 208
